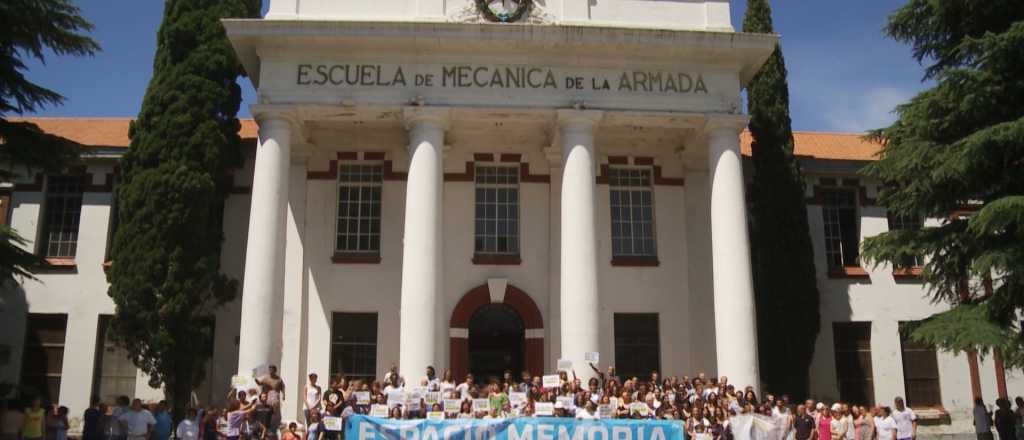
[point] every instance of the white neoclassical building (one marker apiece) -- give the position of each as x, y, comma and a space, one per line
482, 186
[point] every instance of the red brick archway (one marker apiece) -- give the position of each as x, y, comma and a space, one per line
458, 327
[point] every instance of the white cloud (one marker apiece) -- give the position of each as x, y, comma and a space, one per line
863, 111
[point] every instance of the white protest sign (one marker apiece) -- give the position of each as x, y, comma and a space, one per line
332, 423
592, 357
566, 401
614, 402
564, 365
362, 397
517, 399
543, 409
452, 405
552, 381
418, 393
240, 382
432, 397
435, 415
482, 405
413, 405
639, 408
604, 411
379, 411
395, 398
260, 371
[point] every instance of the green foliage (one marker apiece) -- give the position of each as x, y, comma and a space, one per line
781, 252
29, 28
959, 146
14, 259
165, 278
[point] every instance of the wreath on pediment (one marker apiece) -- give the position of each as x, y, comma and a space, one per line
506, 13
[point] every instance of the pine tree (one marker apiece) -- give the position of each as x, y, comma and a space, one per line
165, 278
30, 28
782, 256
958, 148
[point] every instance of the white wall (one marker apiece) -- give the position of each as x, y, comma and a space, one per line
884, 302
710, 15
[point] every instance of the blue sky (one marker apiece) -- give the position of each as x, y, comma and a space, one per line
844, 75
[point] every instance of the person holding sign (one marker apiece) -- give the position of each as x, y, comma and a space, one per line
466, 411
447, 383
498, 399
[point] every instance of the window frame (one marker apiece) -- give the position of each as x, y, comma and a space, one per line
356, 255
905, 223
497, 256
46, 228
867, 378
912, 395
102, 345
333, 365
633, 349
31, 343
827, 208
632, 258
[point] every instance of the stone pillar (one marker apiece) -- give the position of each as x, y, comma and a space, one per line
422, 245
259, 337
735, 318
579, 301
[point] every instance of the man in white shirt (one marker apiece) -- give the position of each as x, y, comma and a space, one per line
885, 426
906, 421
137, 421
187, 428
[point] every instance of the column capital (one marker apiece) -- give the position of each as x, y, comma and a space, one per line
415, 115
725, 122
268, 113
570, 118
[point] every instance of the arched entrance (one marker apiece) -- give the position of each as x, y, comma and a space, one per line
497, 339
495, 327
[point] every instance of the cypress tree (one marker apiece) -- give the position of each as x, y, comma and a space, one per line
165, 278
959, 147
782, 256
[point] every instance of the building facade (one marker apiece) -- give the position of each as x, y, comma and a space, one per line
480, 186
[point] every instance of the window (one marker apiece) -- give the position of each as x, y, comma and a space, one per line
920, 370
354, 345
497, 210
63, 209
842, 239
43, 359
906, 223
632, 212
852, 342
637, 344
113, 374
359, 187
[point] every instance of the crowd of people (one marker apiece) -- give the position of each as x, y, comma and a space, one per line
126, 419
705, 406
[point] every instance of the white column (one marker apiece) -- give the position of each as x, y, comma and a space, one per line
422, 244
578, 295
735, 320
260, 334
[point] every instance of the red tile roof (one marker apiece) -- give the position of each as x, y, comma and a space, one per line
824, 145
113, 132
104, 132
